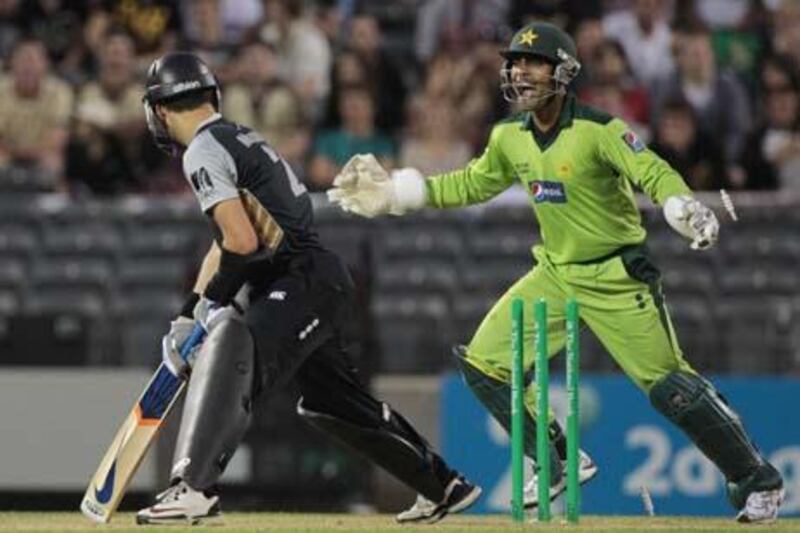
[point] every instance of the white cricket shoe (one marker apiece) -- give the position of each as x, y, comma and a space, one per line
178, 504
761, 507
587, 469
458, 495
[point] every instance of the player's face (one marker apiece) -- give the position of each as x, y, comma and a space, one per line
532, 79
158, 122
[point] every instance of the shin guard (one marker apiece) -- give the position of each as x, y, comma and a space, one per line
216, 412
495, 395
694, 405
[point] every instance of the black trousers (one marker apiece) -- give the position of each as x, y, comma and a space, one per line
296, 322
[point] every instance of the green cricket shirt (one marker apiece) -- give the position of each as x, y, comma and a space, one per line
578, 177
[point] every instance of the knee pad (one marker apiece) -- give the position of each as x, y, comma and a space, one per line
694, 405
217, 410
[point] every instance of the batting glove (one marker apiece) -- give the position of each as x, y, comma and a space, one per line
209, 314
179, 331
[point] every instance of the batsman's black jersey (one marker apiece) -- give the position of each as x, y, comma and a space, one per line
226, 160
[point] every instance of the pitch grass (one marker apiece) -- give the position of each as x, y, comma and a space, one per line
313, 523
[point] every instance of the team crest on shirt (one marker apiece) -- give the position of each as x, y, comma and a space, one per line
548, 191
633, 141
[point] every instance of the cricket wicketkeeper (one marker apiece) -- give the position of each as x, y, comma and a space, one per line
579, 166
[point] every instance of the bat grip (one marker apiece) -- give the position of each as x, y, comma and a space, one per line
195, 338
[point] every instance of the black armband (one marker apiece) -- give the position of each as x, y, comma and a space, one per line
230, 277
188, 306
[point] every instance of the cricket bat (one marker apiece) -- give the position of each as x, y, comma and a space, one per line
110, 481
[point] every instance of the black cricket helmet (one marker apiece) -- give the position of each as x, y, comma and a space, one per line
546, 41
171, 77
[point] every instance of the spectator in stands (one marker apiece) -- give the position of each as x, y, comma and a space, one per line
348, 69
304, 54
589, 35
679, 141
613, 88
329, 16
390, 91
263, 101
468, 81
239, 17
777, 71
718, 98
154, 25
96, 159
204, 34
357, 135
786, 29
645, 35
772, 157
437, 147
740, 29
10, 28
58, 24
105, 149
455, 24
34, 111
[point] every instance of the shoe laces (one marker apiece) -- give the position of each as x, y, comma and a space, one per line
173, 493
761, 501
530, 486
423, 502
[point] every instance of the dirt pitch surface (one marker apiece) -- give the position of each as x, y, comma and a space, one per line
313, 523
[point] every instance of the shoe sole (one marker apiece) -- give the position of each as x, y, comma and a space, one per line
584, 481
179, 521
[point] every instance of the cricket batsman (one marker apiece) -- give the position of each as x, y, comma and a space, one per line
291, 329
579, 166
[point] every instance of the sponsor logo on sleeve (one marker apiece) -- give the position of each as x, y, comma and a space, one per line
633, 141
201, 182
548, 191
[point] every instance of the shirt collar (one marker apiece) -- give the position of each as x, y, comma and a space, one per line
564, 118
213, 118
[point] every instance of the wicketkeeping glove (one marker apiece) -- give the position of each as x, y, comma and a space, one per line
365, 188
693, 220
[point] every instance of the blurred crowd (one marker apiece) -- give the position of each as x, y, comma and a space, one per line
712, 85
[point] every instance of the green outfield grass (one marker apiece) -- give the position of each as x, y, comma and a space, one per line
312, 523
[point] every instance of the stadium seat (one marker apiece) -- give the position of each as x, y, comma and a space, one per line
411, 331
423, 274
18, 241
430, 242
695, 326
757, 333
494, 276
65, 299
13, 274
75, 273
164, 239
82, 241
499, 244
163, 273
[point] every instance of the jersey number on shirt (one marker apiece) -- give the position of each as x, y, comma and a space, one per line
253, 138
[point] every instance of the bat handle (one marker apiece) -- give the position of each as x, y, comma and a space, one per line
195, 337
